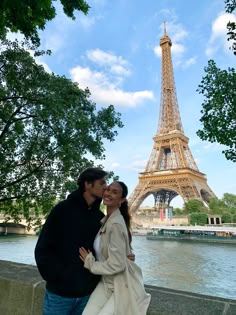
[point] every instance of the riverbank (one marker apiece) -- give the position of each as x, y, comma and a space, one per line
22, 291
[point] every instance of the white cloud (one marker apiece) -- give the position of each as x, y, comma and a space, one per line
177, 49
116, 64
103, 58
104, 85
157, 51
189, 62
179, 33
139, 165
115, 165
86, 21
218, 38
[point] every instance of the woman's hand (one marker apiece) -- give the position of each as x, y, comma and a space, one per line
131, 256
83, 253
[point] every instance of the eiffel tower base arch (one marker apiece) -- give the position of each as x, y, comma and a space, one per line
166, 185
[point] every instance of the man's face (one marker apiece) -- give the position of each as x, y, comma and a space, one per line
97, 188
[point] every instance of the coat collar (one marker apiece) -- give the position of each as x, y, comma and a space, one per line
106, 218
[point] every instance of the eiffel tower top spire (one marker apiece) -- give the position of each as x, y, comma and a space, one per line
169, 116
164, 27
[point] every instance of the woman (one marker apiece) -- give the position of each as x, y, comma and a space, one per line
120, 290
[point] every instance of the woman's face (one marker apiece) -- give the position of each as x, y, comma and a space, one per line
113, 195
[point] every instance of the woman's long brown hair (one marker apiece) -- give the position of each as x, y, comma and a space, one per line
124, 210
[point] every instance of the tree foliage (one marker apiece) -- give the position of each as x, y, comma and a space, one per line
194, 206
28, 16
230, 6
49, 131
198, 218
230, 201
217, 206
226, 217
225, 207
219, 108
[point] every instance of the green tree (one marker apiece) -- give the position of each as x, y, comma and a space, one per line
230, 6
226, 218
234, 218
217, 206
177, 211
50, 130
229, 200
29, 16
193, 206
219, 106
198, 218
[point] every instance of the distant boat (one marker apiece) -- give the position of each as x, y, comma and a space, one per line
193, 233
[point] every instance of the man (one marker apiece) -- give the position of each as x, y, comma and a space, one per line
71, 224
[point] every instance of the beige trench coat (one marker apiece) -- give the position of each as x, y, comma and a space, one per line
119, 273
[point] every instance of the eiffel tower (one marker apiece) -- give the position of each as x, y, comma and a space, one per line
171, 169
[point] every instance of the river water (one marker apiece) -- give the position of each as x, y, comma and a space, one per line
195, 267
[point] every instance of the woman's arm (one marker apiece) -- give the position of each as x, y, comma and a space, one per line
116, 260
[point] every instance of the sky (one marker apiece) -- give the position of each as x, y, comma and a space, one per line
115, 52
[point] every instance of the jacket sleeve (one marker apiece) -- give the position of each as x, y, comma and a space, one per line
48, 259
116, 261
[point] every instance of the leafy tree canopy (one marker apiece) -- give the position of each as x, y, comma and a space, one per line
198, 218
226, 218
217, 206
28, 16
229, 200
49, 131
219, 108
194, 205
230, 6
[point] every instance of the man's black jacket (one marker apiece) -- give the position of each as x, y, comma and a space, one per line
70, 225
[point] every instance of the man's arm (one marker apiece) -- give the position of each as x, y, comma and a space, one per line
47, 259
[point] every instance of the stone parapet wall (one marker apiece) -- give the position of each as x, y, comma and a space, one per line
22, 290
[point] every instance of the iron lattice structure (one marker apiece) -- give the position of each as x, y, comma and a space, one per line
171, 169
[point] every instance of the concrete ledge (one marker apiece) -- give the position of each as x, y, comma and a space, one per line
22, 290
174, 302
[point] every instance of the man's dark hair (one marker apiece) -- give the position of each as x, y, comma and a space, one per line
89, 175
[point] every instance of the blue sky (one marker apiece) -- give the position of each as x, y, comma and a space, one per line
115, 51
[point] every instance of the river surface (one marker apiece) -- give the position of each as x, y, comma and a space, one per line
195, 267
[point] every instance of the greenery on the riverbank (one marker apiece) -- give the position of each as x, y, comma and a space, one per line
198, 211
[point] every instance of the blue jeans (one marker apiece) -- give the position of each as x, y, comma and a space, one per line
58, 305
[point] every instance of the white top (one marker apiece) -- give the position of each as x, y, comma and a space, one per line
96, 246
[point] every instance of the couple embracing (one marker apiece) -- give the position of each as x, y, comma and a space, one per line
86, 257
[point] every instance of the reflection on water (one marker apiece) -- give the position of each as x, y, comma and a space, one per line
197, 267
